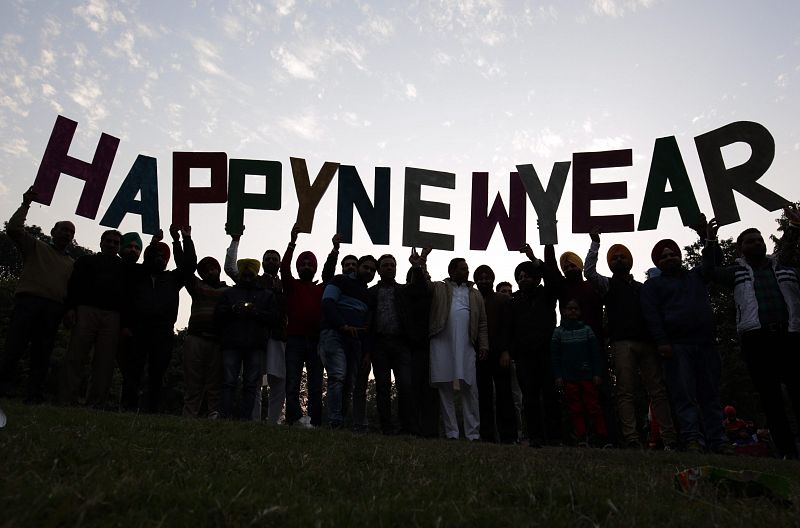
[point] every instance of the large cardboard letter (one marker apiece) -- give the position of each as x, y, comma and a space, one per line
545, 202
667, 166
415, 208
143, 177
183, 194
308, 196
56, 161
584, 191
512, 224
352, 193
238, 200
722, 182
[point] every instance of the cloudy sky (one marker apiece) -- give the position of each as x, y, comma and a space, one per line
455, 86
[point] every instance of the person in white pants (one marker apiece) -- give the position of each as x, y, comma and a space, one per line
457, 329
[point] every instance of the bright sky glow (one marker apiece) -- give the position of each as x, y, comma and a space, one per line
456, 86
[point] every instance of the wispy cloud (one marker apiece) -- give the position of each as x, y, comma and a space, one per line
541, 143
16, 147
284, 7
98, 14
618, 8
294, 66
610, 143
307, 61
305, 125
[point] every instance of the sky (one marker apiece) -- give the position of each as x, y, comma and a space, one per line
453, 86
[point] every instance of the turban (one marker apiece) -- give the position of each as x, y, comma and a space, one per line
617, 248
248, 264
127, 238
569, 256
660, 246
307, 255
161, 248
208, 262
530, 270
483, 268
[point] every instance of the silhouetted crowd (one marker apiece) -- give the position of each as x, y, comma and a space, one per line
500, 352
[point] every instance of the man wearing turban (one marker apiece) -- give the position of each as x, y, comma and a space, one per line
273, 360
633, 352
245, 315
679, 317
303, 312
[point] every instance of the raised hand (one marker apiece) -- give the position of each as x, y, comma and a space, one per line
186, 232
415, 259
174, 232
158, 237
235, 234
594, 234
337, 240
28, 196
711, 229
701, 226
295, 232
528, 250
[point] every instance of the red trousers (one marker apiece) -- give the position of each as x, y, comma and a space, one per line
582, 401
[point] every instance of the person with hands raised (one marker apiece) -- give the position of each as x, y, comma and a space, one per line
530, 318
244, 315
345, 315
767, 297
149, 314
273, 361
680, 319
303, 311
38, 300
633, 352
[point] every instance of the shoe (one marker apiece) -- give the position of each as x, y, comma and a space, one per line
583, 444
634, 444
534, 443
693, 447
672, 446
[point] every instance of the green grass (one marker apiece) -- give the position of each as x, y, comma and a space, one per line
74, 467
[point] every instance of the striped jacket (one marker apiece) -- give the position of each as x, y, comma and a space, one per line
740, 278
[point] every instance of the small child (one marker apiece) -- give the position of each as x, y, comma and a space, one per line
577, 367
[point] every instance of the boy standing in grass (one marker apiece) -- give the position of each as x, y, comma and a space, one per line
577, 367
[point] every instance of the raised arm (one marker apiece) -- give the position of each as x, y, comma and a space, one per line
329, 268
187, 265
550, 274
16, 225
599, 282
286, 261
177, 248
231, 256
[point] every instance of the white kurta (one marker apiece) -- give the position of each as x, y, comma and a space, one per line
452, 354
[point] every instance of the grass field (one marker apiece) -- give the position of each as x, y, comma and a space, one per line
73, 467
